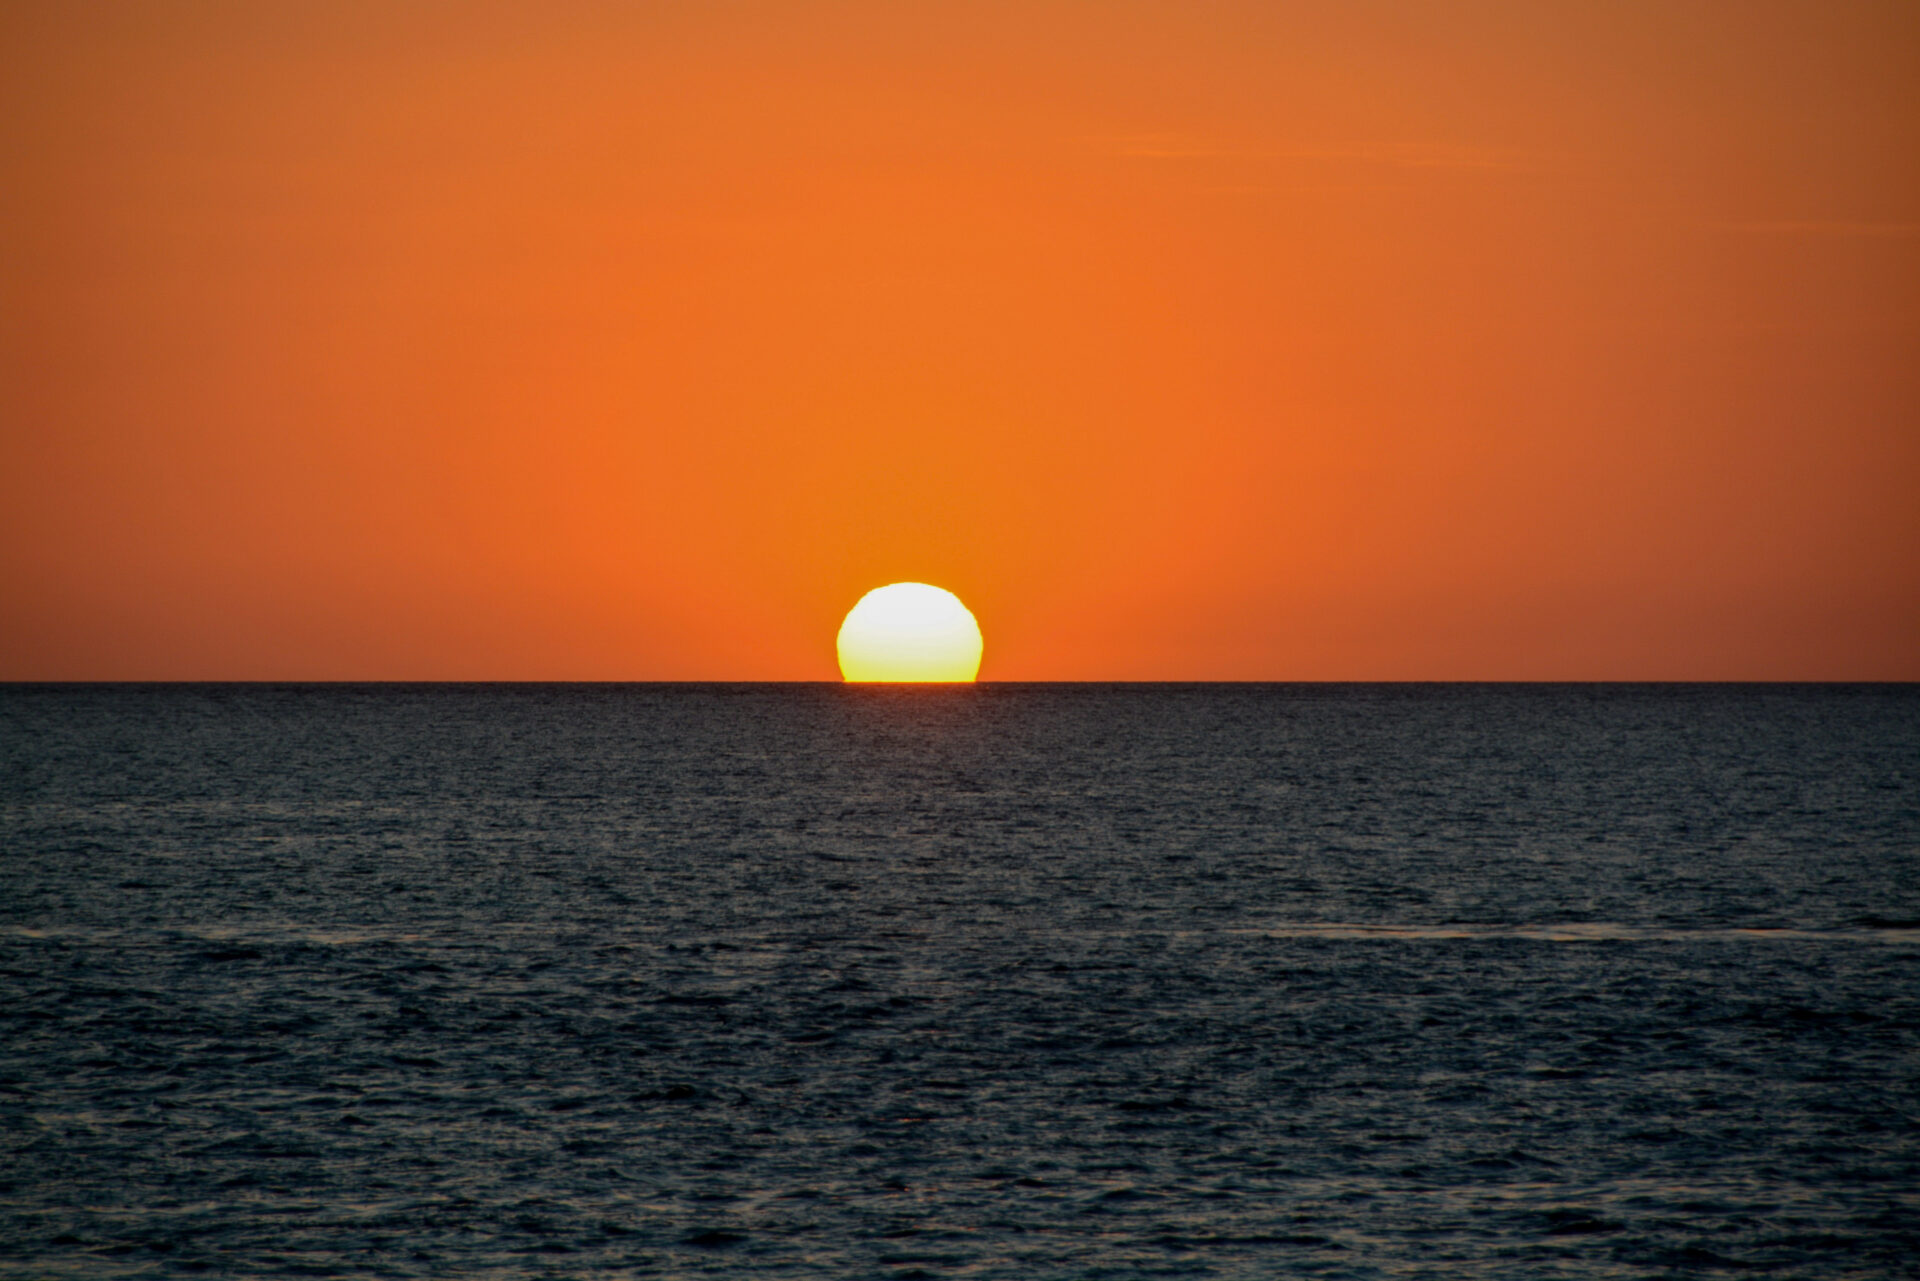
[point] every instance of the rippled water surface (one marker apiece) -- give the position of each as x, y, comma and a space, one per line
1002, 981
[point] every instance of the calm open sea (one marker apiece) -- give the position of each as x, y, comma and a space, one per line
1002, 981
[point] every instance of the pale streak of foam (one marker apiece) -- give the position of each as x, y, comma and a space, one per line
1574, 932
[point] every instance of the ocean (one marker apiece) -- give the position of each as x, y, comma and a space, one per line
999, 981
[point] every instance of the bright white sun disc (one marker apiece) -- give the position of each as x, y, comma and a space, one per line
909, 632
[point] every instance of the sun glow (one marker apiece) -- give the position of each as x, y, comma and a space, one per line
909, 632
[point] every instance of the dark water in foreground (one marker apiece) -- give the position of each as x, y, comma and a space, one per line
1009, 981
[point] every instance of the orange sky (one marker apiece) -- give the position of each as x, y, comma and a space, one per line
1182, 340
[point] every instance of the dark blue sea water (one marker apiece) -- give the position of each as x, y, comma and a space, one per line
1001, 981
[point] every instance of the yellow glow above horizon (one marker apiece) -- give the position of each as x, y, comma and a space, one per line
909, 632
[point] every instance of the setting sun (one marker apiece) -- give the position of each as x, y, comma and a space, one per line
909, 632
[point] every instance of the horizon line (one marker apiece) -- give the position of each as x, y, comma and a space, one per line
25, 682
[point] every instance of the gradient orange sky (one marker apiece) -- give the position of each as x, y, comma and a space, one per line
1182, 340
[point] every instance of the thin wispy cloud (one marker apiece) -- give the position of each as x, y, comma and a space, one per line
1826, 227
1405, 155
